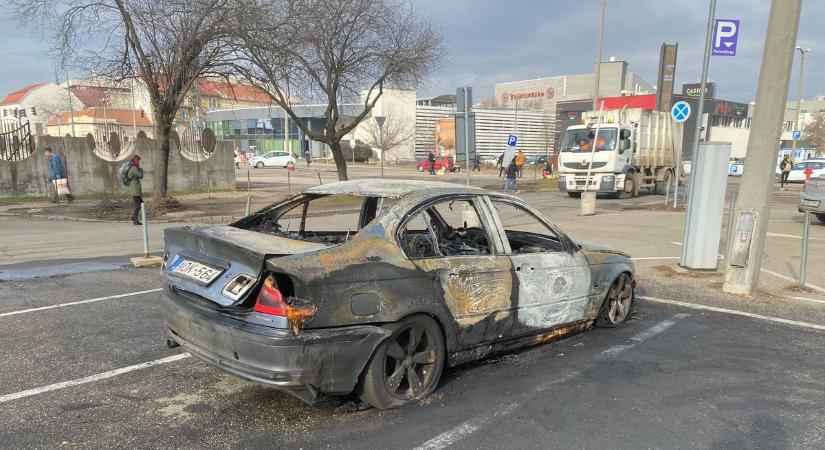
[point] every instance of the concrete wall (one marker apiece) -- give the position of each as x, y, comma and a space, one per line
89, 174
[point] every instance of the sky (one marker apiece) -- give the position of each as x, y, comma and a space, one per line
492, 41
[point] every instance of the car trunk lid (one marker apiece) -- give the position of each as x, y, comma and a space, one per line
223, 264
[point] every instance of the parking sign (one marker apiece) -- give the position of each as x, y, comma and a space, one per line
512, 140
725, 36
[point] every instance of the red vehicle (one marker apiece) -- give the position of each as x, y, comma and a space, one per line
444, 163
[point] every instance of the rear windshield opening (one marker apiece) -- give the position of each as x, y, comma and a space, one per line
329, 219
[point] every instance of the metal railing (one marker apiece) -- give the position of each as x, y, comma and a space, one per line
16, 141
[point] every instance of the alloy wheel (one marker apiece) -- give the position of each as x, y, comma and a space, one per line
410, 362
619, 299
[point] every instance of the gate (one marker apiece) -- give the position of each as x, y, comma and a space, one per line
16, 141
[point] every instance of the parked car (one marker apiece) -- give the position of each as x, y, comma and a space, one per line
445, 163
273, 159
797, 174
490, 160
407, 278
534, 159
812, 198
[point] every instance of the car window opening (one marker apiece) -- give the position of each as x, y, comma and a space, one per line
525, 232
327, 219
449, 228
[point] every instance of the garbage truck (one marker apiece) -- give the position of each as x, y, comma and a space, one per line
634, 150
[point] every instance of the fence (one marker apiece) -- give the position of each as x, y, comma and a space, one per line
16, 141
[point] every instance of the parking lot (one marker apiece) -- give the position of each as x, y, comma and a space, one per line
84, 362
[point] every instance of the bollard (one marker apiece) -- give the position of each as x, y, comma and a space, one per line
803, 262
729, 237
588, 203
288, 181
145, 230
248, 209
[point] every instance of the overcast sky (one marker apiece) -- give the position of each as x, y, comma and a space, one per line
492, 41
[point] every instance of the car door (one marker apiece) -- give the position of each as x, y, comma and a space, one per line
450, 242
553, 280
797, 172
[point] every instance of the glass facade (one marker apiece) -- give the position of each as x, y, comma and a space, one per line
259, 135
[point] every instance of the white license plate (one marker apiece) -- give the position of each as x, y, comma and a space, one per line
811, 203
194, 270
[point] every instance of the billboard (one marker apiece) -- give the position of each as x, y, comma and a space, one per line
667, 75
445, 137
695, 89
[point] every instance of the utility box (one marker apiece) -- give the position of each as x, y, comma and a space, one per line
706, 203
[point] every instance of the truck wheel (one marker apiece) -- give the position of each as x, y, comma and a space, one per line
406, 366
575, 194
661, 186
821, 217
629, 187
637, 183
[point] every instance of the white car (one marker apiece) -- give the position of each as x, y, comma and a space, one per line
272, 159
797, 174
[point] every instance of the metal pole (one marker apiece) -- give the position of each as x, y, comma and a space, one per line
134, 115
598, 72
593, 149
71, 108
288, 181
700, 110
467, 136
381, 147
248, 208
798, 111
678, 173
145, 230
731, 217
803, 262
667, 194
757, 179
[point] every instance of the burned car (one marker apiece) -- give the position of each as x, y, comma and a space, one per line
376, 286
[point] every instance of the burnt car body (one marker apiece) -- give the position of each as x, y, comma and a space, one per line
430, 275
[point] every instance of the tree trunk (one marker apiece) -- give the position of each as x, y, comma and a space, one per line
340, 162
160, 178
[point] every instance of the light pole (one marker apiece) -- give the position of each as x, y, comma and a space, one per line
802, 52
380, 121
598, 71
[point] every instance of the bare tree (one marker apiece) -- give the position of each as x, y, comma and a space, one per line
166, 45
815, 132
396, 133
335, 52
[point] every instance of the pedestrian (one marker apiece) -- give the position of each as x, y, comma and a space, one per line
134, 176
785, 166
520, 163
477, 162
431, 160
55, 170
547, 170
308, 158
500, 163
510, 177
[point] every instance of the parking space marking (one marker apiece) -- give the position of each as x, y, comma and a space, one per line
81, 302
735, 312
787, 278
806, 299
649, 258
91, 378
469, 427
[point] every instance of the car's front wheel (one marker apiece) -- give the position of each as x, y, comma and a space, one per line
616, 307
259, 165
405, 367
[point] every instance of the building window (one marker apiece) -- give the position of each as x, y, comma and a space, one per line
213, 103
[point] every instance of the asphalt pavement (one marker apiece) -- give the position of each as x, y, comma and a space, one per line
84, 362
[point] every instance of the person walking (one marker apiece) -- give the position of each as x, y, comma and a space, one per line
134, 176
431, 160
308, 158
477, 162
547, 170
55, 170
520, 163
785, 166
500, 163
510, 177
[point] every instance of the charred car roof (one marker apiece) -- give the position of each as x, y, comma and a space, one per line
391, 188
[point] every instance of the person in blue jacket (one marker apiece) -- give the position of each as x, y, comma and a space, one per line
55, 171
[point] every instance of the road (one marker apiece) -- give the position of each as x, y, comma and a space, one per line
84, 362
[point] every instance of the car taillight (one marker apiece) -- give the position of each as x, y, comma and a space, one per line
298, 311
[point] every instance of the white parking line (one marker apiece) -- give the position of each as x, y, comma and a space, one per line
647, 258
787, 278
806, 299
469, 427
81, 302
734, 312
91, 378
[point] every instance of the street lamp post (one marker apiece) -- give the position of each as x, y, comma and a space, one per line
380, 121
798, 111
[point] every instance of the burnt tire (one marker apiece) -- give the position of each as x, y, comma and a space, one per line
618, 302
820, 217
575, 194
406, 367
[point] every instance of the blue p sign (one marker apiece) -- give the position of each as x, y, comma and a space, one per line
797, 135
512, 140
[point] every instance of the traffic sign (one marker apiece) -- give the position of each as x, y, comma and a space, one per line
512, 140
725, 36
680, 111
797, 135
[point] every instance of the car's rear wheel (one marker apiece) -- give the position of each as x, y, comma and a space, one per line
405, 367
618, 303
821, 217
259, 165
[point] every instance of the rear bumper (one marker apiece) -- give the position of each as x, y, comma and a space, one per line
818, 208
312, 361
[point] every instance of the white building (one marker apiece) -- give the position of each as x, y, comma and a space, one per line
37, 103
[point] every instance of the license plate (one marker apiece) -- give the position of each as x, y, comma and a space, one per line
811, 203
194, 270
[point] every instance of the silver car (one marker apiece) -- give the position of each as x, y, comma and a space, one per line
812, 198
